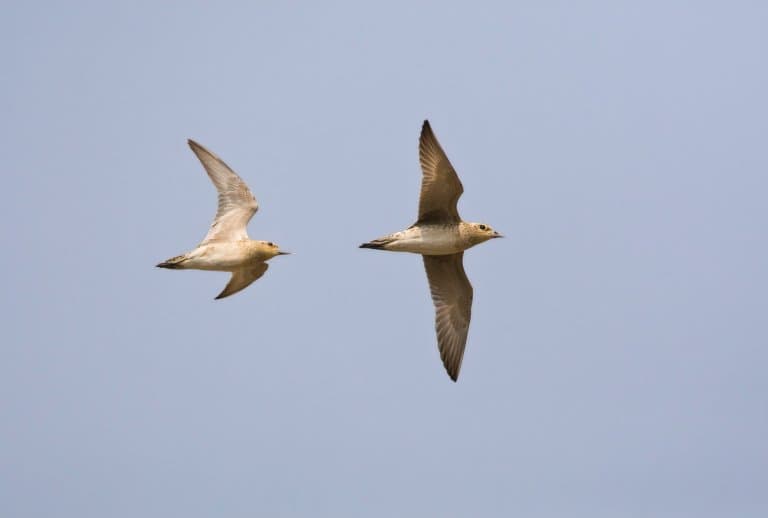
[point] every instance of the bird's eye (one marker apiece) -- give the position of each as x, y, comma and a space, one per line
271, 243
483, 227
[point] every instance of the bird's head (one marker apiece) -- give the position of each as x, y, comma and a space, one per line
272, 249
480, 232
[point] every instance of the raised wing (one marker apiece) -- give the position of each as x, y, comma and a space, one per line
236, 203
440, 185
452, 296
241, 279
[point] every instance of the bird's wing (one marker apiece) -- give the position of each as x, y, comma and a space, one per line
440, 185
241, 279
236, 203
452, 296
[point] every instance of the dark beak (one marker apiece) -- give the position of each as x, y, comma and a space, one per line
282, 252
496, 234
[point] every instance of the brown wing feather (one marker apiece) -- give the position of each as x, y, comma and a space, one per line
452, 296
440, 185
237, 204
241, 279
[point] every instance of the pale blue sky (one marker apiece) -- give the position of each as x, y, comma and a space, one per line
616, 364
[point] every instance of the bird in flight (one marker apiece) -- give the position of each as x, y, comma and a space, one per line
441, 237
226, 247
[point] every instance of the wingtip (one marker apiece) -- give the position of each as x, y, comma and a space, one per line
427, 134
451, 368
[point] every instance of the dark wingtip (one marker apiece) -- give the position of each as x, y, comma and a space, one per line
370, 245
452, 371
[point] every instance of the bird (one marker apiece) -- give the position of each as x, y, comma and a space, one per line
441, 237
227, 247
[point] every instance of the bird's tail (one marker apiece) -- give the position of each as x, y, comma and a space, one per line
372, 244
378, 244
174, 263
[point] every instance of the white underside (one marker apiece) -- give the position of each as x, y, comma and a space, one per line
426, 241
219, 257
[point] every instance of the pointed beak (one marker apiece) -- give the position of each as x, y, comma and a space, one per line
283, 252
496, 234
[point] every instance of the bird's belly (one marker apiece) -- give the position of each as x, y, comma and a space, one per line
224, 257
426, 242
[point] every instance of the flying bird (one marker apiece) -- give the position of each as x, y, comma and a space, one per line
441, 237
226, 247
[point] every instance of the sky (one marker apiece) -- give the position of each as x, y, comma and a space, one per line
616, 361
